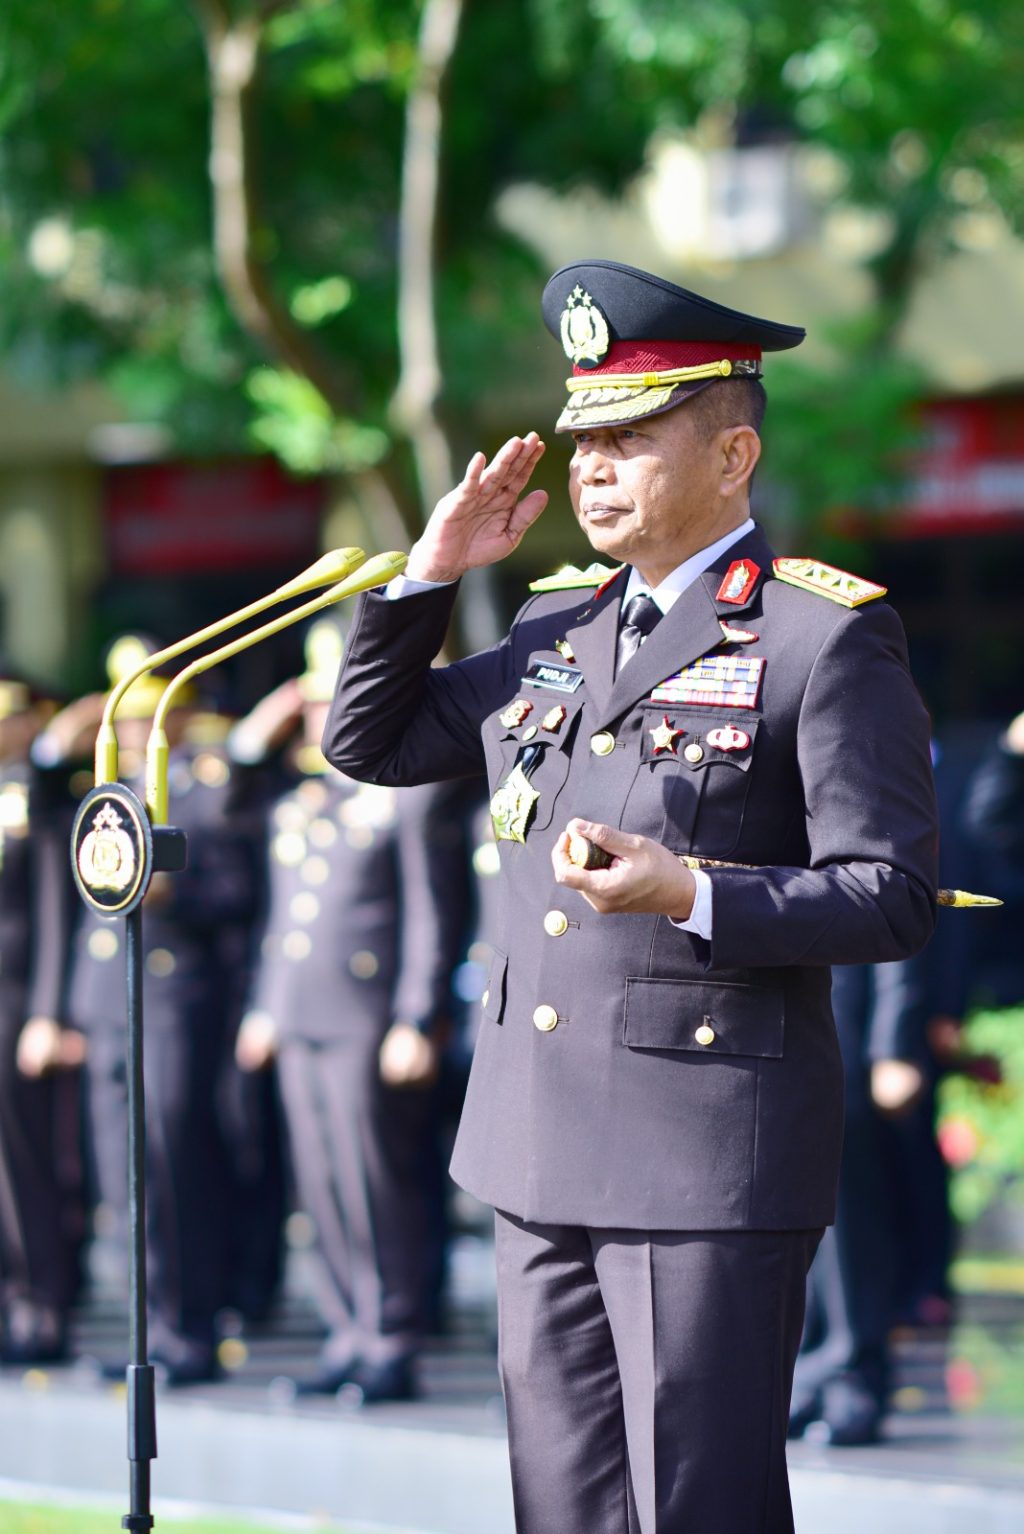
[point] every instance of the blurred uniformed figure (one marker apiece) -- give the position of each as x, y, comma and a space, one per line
842, 1379
367, 907
186, 1003
38, 1234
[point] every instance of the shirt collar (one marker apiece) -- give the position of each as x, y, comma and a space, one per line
684, 575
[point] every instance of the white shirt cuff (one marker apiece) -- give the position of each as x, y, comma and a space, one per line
402, 586
699, 919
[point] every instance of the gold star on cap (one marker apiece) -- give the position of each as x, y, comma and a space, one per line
665, 736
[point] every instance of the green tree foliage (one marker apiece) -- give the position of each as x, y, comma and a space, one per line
981, 1120
105, 201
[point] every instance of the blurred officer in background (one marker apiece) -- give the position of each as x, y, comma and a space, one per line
366, 918
187, 1001
38, 1226
841, 1382
993, 826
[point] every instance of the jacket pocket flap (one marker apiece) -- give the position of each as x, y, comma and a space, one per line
697, 741
704, 1017
492, 1002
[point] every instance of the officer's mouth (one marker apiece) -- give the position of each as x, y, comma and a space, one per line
602, 513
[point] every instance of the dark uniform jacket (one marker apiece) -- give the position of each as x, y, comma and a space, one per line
686, 1085
36, 899
184, 919
367, 910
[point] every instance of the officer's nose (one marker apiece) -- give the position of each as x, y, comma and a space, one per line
593, 467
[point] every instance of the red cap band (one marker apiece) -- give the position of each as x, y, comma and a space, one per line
661, 356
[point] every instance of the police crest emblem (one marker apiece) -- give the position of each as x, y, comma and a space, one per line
112, 849
584, 330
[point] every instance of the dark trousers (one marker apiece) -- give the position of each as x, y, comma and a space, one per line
40, 1212
361, 1174
186, 1176
647, 1376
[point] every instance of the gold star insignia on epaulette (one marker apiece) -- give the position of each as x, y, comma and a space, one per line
838, 585
571, 578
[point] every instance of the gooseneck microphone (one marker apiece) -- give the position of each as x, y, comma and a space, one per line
330, 567
375, 572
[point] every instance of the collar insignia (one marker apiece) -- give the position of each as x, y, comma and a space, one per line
738, 582
732, 635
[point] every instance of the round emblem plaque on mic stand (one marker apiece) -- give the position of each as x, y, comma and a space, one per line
115, 850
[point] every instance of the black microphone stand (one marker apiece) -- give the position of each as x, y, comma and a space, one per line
115, 851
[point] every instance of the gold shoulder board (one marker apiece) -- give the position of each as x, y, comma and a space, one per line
838, 585
569, 578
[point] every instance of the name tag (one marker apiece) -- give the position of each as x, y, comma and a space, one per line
545, 673
725, 681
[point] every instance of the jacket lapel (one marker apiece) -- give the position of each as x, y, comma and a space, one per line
690, 630
594, 637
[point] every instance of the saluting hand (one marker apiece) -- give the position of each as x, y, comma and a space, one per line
483, 518
644, 875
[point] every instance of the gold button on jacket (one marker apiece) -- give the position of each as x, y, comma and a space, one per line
602, 743
545, 1018
705, 1035
555, 923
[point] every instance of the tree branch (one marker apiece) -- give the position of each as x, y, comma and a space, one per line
413, 407
233, 58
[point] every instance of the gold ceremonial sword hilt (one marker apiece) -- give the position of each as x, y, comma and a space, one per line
958, 900
587, 854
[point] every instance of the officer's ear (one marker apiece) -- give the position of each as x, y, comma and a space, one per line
740, 448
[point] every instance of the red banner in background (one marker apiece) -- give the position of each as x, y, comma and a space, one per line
970, 475
185, 518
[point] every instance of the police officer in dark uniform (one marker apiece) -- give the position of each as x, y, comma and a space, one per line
38, 1234
655, 1103
366, 915
843, 1372
187, 1001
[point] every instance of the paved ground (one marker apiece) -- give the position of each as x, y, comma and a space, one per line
953, 1455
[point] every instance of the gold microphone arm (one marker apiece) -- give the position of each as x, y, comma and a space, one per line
375, 572
330, 567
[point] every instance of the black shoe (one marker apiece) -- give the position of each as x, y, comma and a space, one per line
33, 1334
328, 1379
851, 1418
199, 1369
802, 1414
29, 1352
374, 1384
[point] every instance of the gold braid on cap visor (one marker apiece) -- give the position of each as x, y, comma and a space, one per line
614, 397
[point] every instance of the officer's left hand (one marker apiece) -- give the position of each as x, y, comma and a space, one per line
407, 1058
644, 875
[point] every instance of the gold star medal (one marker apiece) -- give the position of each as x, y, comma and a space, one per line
512, 807
665, 736
553, 718
564, 649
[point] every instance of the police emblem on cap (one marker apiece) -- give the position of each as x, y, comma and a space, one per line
668, 343
584, 329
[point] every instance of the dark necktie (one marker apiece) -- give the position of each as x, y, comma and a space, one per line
642, 614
